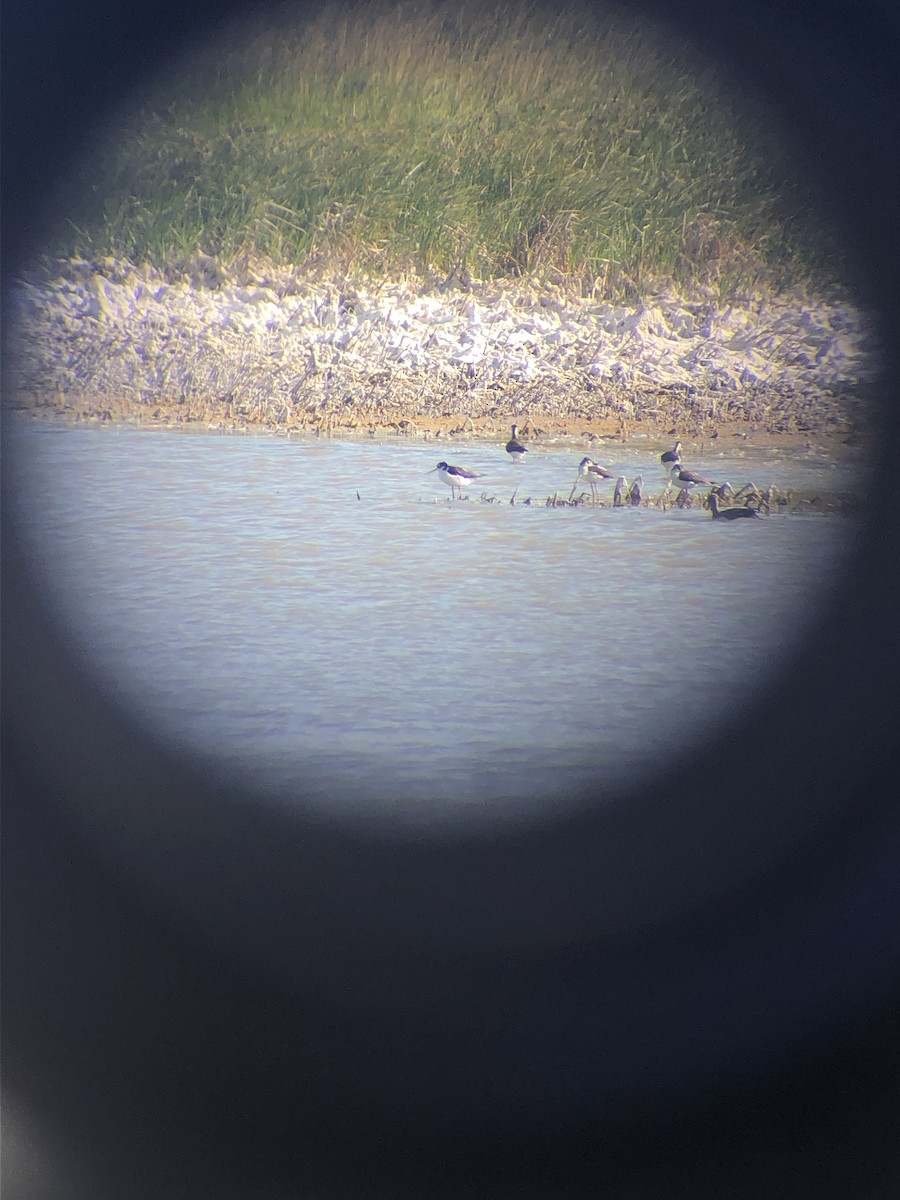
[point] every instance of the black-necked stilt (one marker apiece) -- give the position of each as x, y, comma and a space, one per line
636, 493
514, 447
593, 473
729, 514
686, 481
455, 478
671, 458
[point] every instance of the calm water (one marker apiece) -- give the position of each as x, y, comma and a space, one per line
412, 655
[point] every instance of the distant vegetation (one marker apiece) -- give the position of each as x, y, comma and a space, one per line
483, 140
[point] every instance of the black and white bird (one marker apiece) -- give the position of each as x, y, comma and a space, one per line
729, 514
514, 447
685, 480
593, 473
671, 458
456, 478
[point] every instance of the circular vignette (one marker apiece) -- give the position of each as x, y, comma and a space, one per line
611, 965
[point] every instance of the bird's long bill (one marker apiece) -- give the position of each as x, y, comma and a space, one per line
432, 471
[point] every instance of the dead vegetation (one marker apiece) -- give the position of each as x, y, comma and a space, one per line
570, 405
765, 501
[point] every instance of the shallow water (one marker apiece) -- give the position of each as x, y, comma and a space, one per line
414, 656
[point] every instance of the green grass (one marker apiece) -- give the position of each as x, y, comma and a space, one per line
599, 153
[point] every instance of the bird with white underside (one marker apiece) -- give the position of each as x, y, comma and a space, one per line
514, 447
456, 478
686, 480
671, 458
594, 474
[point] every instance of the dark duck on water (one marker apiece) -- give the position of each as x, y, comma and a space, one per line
729, 514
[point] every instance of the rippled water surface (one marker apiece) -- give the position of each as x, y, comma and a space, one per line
405, 651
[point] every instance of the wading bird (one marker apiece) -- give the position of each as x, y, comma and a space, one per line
514, 447
671, 458
635, 495
728, 514
686, 481
456, 478
593, 473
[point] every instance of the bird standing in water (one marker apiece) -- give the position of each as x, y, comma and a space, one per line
456, 478
636, 493
514, 447
671, 458
593, 473
686, 481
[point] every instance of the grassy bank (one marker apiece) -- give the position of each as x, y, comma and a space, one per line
489, 141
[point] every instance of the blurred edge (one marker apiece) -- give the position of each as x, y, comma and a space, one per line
98, 972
